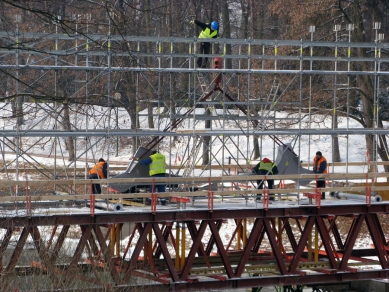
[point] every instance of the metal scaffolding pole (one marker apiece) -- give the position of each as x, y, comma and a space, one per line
233, 107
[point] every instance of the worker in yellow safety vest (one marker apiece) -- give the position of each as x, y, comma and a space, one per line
209, 30
265, 167
157, 168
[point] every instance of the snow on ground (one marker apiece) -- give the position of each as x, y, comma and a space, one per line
353, 149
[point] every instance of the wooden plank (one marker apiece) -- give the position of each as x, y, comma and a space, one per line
70, 170
185, 194
188, 180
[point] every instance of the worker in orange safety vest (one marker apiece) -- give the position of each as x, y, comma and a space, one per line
99, 171
320, 166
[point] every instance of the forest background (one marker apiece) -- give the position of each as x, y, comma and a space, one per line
243, 19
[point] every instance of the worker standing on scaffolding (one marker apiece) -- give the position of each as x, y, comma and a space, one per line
100, 170
209, 30
157, 168
265, 167
320, 166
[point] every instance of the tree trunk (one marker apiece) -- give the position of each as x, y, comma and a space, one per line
150, 118
257, 153
206, 140
67, 126
227, 31
335, 141
255, 12
244, 19
366, 85
130, 93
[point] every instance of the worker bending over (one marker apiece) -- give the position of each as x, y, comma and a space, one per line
265, 167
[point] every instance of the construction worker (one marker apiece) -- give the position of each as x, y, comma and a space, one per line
209, 30
265, 167
320, 166
157, 168
100, 170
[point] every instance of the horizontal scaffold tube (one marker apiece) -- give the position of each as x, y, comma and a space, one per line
108, 206
362, 197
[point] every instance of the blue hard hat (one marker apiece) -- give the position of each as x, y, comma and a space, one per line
214, 25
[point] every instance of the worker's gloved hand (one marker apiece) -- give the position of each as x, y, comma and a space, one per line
192, 21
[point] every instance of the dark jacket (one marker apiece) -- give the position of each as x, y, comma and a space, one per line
320, 165
266, 166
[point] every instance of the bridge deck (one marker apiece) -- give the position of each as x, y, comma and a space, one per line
234, 243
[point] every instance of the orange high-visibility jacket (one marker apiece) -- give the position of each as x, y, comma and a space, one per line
98, 168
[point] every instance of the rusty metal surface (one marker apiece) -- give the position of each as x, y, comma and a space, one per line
276, 247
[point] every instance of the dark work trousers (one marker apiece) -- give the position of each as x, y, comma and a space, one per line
96, 188
321, 184
270, 182
205, 48
159, 187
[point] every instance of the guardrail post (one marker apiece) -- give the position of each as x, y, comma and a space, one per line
92, 203
368, 191
28, 199
210, 196
318, 198
153, 198
265, 194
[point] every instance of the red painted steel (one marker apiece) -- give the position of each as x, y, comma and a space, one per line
368, 191
265, 193
275, 253
316, 196
217, 64
179, 199
92, 201
28, 199
154, 198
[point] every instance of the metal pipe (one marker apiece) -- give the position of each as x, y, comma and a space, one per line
362, 197
108, 206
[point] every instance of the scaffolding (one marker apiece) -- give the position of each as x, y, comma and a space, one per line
216, 110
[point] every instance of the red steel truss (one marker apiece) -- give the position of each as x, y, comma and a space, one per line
178, 249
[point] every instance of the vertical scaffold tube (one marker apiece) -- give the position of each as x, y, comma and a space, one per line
114, 244
310, 247
316, 244
177, 247
183, 238
117, 238
239, 235
244, 232
149, 246
112, 241
279, 224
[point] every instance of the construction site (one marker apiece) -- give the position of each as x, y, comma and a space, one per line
208, 230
